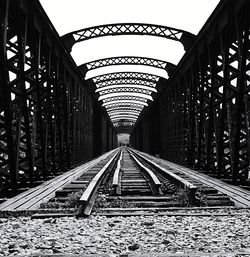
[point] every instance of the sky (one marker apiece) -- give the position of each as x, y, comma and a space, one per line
70, 15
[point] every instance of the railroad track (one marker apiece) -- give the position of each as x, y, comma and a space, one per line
127, 182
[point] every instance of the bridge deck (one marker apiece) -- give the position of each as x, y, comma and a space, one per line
239, 195
32, 198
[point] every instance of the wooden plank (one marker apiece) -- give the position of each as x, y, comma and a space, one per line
24, 200
237, 194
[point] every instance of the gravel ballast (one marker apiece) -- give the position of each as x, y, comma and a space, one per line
120, 235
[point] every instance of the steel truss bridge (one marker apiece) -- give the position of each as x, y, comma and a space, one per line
51, 119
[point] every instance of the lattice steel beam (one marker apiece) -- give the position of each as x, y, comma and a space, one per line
115, 100
127, 60
127, 89
184, 37
125, 105
125, 96
125, 81
126, 75
124, 119
125, 86
123, 116
123, 111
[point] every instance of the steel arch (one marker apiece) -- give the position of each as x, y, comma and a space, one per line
131, 99
125, 81
125, 119
182, 36
126, 75
99, 90
122, 116
126, 105
126, 94
126, 60
147, 91
123, 111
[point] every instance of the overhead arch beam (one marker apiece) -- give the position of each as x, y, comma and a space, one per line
102, 89
126, 60
115, 100
124, 119
126, 81
126, 75
126, 94
126, 90
182, 36
123, 116
126, 105
123, 111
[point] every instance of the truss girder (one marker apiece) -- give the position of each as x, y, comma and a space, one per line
125, 94
123, 111
127, 60
125, 81
126, 75
130, 119
123, 116
147, 91
130, 87
184, 37
125, 98
125, 105
206, 111
42, 100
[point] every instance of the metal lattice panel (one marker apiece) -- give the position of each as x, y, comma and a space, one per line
126, 105
125, 94
129, 29
127, 89
126, 75
152, 89
126, 81
123, 117
125, 98
123, 111
127, 60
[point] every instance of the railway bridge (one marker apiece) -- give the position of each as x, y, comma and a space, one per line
54, 118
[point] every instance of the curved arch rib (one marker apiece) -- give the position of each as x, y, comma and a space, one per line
123, 111
126, 75
124, 116
126, 60
126, 90
117, 100
129, 87
182, 36
126, 105
125, 81
127, 119
126, 94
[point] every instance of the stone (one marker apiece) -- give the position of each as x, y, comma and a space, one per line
133, 247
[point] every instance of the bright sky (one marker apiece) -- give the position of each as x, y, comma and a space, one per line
70, 15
